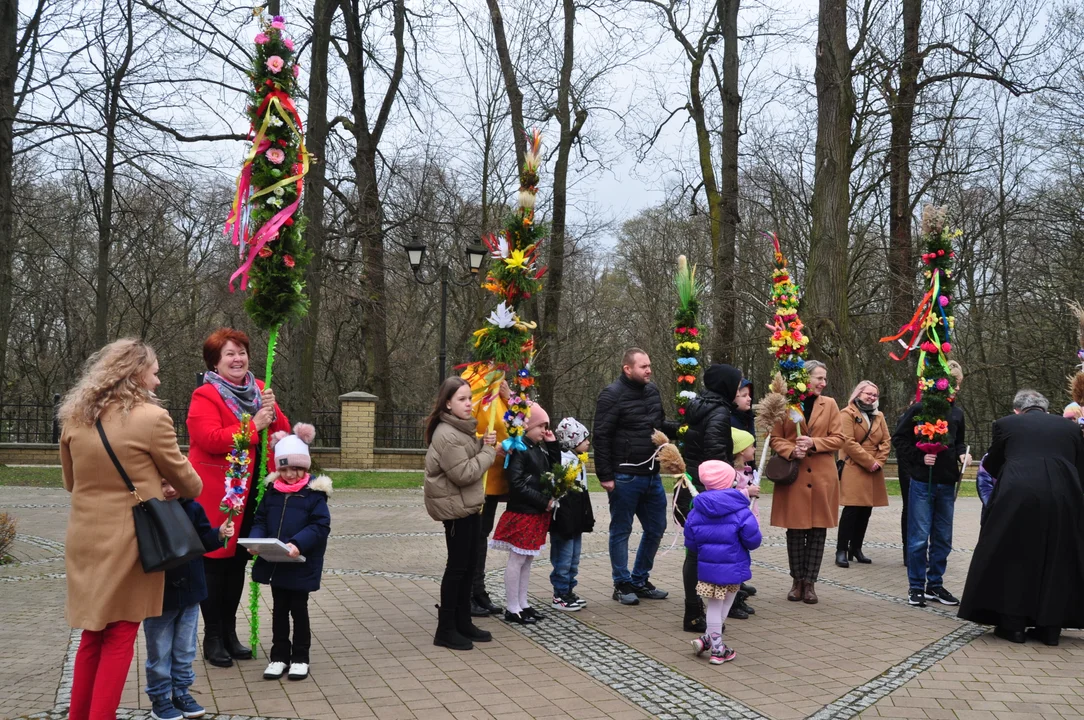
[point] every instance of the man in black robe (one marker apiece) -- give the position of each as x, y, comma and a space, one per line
1028, 566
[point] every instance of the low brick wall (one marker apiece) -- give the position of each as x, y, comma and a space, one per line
29, 454
391, 459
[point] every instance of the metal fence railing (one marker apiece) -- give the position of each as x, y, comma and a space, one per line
328, 424
29, 422
400, 430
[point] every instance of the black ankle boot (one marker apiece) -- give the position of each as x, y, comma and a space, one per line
694, 618
213, 649
233, 646
857, 556
466, 627
841, 559
447, 635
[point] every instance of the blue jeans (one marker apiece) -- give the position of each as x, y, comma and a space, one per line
641, 496
565, 556
171, 648
929, 528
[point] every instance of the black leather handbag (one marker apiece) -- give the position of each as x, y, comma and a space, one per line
164, 534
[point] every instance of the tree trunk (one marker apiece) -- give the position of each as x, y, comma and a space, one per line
725, 299
826, 304
369, 220
901, 114
511, 85
570, 129
9, 70
105, 218
304, 362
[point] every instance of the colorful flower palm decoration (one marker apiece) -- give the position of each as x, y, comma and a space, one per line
930, 332
504, 345
237, 474
265, 223
563, 478
789, 344
686, 338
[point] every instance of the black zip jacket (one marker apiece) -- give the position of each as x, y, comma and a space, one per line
524, 475
946, 471
708, 436
625, 416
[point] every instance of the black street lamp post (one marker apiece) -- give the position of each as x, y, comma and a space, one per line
476, 254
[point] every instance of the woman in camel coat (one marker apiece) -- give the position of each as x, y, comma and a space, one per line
108, 592
862, 482
810, 505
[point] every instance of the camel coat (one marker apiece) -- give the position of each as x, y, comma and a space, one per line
106, 582
862, 446
812, 501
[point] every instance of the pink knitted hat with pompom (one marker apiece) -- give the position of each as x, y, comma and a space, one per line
293, 450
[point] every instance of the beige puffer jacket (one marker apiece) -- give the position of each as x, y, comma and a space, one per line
454, 466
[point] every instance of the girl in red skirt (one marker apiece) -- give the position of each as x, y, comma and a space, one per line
523, 526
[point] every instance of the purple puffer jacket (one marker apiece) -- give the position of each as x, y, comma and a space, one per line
722, 530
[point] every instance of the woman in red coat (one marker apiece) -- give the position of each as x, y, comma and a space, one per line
229, 391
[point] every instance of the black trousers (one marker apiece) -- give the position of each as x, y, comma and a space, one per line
289, 604
489, 519
853, 522
805, 550
225, 584
689, 577
462, 536
905, 491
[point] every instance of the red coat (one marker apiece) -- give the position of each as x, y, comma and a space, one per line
211, 425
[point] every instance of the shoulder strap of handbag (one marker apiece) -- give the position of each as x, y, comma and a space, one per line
113, 457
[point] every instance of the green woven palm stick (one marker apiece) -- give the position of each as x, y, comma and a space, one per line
261, 474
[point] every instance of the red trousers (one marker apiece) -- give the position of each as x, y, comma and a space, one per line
101, 667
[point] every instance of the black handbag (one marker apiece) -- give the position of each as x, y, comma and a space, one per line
164, 534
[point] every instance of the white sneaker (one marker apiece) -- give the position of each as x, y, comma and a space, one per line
298, 671
274, 671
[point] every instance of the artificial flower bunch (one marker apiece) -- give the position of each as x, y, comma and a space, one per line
239, 461
930, 332
686, 337
265, 221
788, 344
504, 345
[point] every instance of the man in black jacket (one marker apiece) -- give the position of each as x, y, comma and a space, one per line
626, 414
929, 482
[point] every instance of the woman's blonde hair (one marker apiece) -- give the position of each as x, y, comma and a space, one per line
112, 376
861, 386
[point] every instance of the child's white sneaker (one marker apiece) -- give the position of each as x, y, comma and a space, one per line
274, 671
701, 644
298, 671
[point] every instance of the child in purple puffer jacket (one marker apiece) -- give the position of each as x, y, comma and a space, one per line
721, 529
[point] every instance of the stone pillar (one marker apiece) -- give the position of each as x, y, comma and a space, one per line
357, 413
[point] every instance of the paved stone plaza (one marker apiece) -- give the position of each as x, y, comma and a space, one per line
861, 651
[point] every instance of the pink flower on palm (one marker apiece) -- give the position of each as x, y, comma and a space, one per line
275, 64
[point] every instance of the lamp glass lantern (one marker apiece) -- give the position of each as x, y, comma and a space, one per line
415, 255
476, 255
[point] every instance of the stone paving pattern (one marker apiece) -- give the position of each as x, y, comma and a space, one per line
860, 652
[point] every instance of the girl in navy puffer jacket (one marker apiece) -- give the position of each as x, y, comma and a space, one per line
721, 530
294, 510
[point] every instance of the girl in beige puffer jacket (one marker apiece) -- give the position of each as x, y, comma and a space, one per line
455, 464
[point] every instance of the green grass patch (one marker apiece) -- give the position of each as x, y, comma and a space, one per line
361, 480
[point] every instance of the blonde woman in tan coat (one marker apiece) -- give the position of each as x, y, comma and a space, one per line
862, 483
455, 463
108, 592
810, 505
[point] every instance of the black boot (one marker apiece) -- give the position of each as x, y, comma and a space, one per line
857, 556
748, 589
483, 600
213, 649
741, 603
447, 635
694, 618
233, 645
841, 559
468, 629
476, 609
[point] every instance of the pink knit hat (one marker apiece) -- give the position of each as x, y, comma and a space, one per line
716, 475
537, 417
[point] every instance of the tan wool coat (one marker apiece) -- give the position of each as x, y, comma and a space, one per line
812, 501
106, 582
859, 486
454, 466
